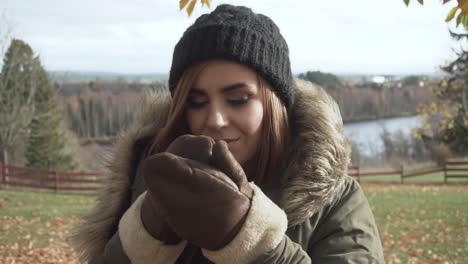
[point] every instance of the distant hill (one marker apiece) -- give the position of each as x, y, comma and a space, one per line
324, 79
80, 76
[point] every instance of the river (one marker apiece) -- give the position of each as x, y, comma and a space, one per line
366, 134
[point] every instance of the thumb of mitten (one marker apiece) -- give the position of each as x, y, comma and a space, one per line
223, 160
192, 147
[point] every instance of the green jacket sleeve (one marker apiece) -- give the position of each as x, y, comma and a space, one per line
286, 252
347, 232
113, 253
342, 232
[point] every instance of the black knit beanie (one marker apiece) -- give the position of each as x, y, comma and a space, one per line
236, 33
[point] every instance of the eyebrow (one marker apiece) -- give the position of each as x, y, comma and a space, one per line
225, 89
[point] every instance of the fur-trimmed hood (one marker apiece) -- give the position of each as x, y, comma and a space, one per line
315, 169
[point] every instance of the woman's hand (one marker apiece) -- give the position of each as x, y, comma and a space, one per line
202, 189
154, 221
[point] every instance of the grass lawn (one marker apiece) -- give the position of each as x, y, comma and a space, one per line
417, 224
421, 224
34, 226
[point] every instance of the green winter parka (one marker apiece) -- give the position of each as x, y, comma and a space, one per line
319, 214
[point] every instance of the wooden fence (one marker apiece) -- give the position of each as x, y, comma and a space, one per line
451, 169
56, 181
47, 179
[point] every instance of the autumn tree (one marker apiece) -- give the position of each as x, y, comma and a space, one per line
446, 118
460, 11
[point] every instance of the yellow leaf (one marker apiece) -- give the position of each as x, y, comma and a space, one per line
463, 5
465, 21
433, 107
415, 134
206, 2
459, 18
465, 122
183, 3
451, 124
451, 14
444, 83
447, 114
190, 7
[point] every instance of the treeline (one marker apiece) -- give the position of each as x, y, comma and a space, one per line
96, 116
116, 87
100, 114
105, 108
368, 100
358, 104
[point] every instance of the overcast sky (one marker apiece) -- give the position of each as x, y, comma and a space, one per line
138, 36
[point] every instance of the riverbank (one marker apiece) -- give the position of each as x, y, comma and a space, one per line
377, 118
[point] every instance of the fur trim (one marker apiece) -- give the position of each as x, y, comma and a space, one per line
139, 245
263, 230
319, 155
98, 226
315, 170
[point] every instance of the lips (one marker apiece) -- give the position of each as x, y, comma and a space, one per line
230, 140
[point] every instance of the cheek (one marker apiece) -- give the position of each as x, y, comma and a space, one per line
252, 120
195, 121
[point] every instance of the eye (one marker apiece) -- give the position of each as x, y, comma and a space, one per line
243, 99
196, 102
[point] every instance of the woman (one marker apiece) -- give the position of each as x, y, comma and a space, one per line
242, 164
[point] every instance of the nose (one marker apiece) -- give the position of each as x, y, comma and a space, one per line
217, 118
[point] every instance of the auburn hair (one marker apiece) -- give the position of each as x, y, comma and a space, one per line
275, 134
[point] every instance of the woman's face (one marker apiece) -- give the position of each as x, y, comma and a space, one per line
224, 103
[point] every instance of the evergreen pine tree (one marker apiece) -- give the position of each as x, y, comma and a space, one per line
18, 84
47, 144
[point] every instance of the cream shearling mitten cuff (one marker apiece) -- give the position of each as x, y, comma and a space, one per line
263, 230
139, 245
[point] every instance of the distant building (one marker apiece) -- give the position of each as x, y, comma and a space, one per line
378, 79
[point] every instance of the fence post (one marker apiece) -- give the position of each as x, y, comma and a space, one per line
358, 174
3, 174
445, 172
56, 181
402, 171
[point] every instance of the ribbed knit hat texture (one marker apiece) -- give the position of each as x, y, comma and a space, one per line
236, 33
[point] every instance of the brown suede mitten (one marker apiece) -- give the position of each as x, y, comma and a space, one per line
202, 189
152, 214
